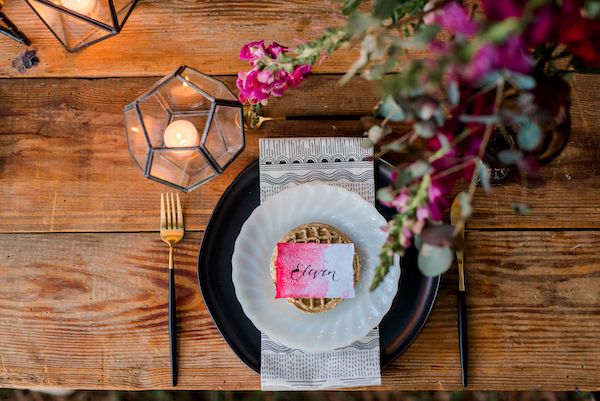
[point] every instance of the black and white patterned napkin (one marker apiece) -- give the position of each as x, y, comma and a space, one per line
335, 161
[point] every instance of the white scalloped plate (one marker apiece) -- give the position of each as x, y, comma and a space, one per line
349, 321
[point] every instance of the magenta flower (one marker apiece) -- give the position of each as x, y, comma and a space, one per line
511, 55
499, 10
455, 18
275, 49
253, 51
298, 75
258, 84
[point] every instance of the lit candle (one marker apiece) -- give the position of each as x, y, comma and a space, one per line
181, 133
80, 6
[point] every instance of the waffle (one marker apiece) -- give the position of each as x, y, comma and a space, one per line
319, 233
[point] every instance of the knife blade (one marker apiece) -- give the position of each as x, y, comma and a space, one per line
455, 218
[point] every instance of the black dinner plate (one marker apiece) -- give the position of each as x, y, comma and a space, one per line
398, 329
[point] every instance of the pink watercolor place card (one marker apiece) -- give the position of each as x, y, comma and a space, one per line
311, 270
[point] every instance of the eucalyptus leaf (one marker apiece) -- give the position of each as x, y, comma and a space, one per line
425, 129
384, 9
592, 8
419, 168
499, 31
359, 23
395, 146
426, 34
453, 93
434, 260
367, 143
509, 156
529, 136
391, 110
375, 133
491, 78
418, 241
521, 81
385, 194
484, 176
485, 119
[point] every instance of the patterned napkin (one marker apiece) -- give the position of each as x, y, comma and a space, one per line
341, 162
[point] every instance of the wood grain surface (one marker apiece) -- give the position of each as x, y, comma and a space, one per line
83, 271
65, 164
161, 35
89, 311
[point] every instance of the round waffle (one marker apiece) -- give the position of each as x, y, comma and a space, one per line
319, 233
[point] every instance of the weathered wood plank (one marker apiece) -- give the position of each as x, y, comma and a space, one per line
64, 164
161, 35
89, 311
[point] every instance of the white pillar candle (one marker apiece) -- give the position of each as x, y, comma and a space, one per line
79, 6
181, 133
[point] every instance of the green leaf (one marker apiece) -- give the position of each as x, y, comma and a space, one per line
395, 146
359, 23
426, 34
425, 129
367, 143
453, 93
592, 9
391, 110
350, 6
434, 260
521, 208
418, 241
385, 194
529, 136
520, 81
509, 156
499, 31
465, 205
419, 168
484, 176
491, 78
487, 119
384, 9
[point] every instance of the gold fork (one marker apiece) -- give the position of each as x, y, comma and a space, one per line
171, 232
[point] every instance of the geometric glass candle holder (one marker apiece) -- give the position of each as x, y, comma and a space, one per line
185, 130
80, 23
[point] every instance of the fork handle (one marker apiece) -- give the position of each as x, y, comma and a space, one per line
172, 320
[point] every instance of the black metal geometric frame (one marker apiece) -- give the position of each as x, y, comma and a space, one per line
204, 152
111, 30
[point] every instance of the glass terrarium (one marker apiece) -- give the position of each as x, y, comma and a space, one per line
185, 130
81, 23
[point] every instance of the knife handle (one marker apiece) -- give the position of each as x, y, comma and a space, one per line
173, 327
462, 336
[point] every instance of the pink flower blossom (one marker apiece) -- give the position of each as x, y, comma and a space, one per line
455, 18
275, 49
258, 84
512, 55
253, 50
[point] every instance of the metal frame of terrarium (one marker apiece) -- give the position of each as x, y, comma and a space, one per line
204, 152
111, 30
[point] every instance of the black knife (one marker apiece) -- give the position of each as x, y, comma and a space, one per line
455, 217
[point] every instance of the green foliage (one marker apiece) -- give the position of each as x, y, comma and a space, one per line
390, 110
529, 136
435, 260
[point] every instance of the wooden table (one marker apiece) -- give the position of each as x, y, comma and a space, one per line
83, 288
